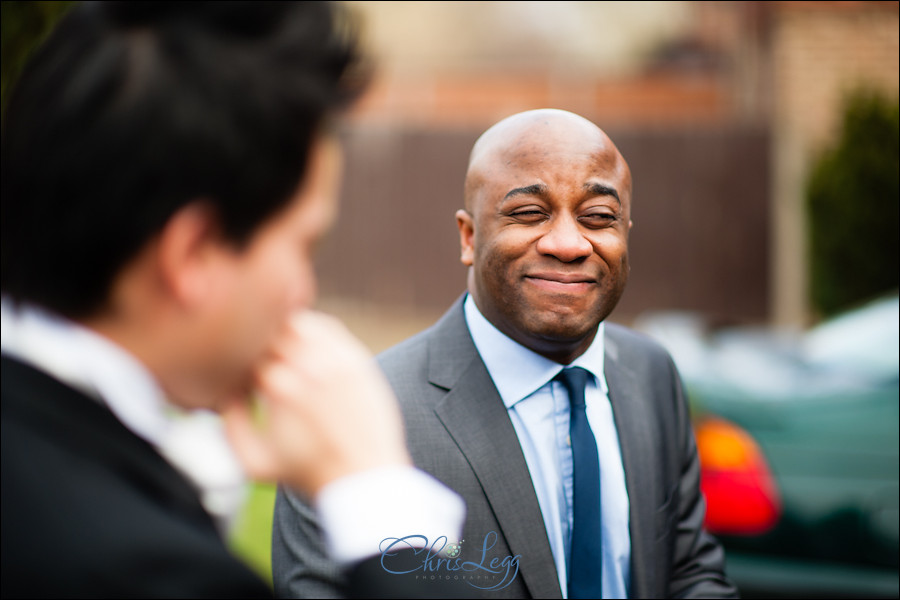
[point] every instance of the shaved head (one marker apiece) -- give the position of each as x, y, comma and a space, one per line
517, 135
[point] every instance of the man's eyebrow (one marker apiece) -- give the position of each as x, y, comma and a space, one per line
536, 189
599, 189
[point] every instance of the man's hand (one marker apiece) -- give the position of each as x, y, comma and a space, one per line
327, 411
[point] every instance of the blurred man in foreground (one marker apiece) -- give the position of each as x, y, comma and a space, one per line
167, 169
568, 437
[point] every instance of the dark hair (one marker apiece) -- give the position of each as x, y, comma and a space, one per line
132, 110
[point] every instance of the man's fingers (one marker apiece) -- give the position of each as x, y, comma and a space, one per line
328, 409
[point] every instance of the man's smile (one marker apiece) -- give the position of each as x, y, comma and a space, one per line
554, 281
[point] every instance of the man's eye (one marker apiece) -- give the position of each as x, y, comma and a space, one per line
527, 215
598, 219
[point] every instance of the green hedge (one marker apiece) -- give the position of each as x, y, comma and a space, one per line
852, 201
24, 26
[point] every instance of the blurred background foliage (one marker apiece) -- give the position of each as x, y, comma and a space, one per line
251, 534
853, 203
24, 26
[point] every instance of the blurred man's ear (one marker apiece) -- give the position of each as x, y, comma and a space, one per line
466, 236
189, 254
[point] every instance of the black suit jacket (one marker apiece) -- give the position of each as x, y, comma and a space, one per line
90, 509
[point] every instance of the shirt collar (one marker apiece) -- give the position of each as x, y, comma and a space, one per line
517, 371
88, 362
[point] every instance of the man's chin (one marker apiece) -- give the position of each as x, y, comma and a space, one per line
562, 329
215, 398
243, 391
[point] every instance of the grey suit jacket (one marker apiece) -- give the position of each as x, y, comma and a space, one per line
458, 430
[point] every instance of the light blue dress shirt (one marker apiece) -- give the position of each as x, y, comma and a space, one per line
539, 410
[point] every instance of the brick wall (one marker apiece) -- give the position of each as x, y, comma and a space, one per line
820, 51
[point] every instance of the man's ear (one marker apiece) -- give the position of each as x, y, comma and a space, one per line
466, 236
190, 250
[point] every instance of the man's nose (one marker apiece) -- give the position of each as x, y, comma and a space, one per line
564, 240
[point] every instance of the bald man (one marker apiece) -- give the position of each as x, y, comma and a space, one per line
568, 437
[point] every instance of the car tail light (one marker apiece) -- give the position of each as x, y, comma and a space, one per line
740, 492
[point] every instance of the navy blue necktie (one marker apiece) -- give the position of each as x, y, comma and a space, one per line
584, 558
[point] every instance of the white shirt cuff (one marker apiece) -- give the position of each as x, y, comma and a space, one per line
360, 511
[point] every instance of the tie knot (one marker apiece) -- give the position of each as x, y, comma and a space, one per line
574, 379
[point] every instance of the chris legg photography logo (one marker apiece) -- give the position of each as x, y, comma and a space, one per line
445, 561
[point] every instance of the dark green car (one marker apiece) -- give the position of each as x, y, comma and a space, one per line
798, 441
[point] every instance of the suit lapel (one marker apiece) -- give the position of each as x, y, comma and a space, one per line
630, 413
476, 419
